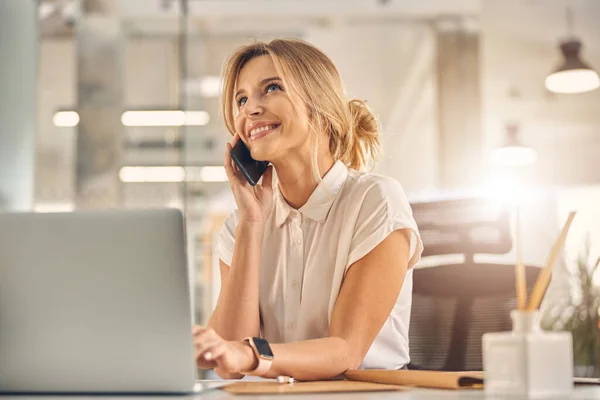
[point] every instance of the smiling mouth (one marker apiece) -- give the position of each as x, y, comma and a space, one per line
262, 131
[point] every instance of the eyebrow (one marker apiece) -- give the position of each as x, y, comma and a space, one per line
264, 81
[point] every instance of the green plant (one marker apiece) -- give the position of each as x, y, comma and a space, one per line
578, 313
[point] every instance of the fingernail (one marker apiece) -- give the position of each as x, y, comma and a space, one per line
208, 355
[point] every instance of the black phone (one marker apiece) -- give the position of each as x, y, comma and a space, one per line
251, 168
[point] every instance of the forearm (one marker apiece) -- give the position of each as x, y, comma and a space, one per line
315, 359
237, 314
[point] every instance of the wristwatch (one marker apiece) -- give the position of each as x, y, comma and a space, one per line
263, 354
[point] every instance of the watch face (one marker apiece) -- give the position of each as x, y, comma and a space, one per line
263, 348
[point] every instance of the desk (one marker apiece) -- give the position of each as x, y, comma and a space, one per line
580, 393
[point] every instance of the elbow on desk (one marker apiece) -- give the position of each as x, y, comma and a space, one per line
354, 362
352, 356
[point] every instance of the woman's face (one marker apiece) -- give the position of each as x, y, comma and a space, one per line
268, 121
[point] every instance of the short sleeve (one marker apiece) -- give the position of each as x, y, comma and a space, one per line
384, 209
226, 242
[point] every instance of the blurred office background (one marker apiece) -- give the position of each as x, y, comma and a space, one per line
114, 103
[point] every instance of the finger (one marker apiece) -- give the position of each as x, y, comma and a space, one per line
201, 363
231, 167
203, 346
234, 141
207, 333
201, 356
236, 138
208, 352
235, 167
267, 178
228, 162
197, 329
216, 352
206, 339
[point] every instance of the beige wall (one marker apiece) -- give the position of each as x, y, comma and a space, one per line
389, 65
519, 49
55, 146
151, 80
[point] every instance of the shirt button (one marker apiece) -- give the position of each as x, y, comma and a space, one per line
295, 284
298, 242
292, 325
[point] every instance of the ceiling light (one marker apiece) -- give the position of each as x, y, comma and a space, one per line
164, 118
46, 9
165, 174
65, 118
573, 75
208, 86
513, 152
143, 118
152, 174
196, 118
208, 174
53, 207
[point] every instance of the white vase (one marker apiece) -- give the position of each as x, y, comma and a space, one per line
528, 362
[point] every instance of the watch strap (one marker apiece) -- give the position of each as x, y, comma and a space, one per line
264, 364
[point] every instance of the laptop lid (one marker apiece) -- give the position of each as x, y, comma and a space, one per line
95, 301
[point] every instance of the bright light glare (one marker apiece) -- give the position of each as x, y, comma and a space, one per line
143, 118
65, 118
53, 207
139, 174
208, 86
207, 174
573, 81
196, 118
164, 118
152, 174
509, 190
513, 156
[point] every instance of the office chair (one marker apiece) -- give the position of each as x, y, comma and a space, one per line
455, 304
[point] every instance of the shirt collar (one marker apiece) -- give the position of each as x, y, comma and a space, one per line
320, 201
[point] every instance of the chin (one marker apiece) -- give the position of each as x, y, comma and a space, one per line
261, 156
262, 153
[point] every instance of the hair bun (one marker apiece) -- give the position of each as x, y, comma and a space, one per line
364, 122
365, 130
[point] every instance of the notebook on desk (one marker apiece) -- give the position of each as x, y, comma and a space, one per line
420, 378
95, 302
434, 379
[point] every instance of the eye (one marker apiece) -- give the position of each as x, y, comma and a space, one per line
272, 87
241, 101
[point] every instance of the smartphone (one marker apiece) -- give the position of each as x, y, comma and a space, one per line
251, 168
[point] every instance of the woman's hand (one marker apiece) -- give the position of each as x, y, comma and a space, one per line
254, 202
211, 351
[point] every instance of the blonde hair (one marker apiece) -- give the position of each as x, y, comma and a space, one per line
310, 75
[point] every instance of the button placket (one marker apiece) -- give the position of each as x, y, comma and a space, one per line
294, 276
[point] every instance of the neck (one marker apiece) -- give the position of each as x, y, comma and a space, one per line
295, 176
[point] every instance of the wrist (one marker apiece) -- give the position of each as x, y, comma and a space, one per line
254, 228
249, 360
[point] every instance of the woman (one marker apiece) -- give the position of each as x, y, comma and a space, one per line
316, 262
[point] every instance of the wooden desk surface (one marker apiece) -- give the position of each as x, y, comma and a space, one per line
579, 393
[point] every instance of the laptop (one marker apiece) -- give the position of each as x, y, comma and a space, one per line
95, 302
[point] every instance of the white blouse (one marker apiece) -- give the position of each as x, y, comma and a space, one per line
306, 253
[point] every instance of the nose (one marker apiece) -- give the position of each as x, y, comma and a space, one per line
253, 107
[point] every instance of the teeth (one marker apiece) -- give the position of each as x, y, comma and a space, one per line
262, 129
